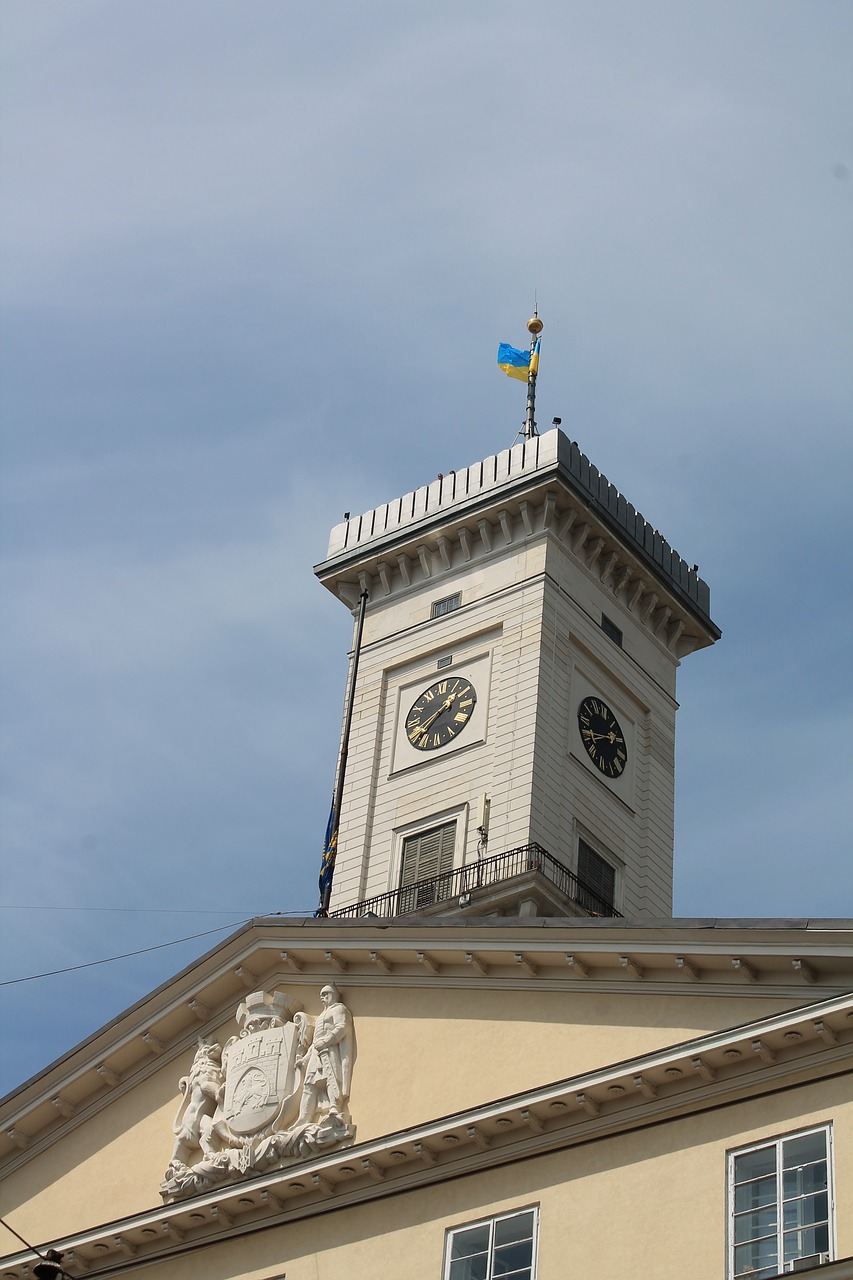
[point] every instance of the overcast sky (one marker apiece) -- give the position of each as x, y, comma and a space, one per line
257, 261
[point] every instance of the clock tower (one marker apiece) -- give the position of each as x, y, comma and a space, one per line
513, 716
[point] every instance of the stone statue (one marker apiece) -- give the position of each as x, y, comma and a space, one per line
202, 1093
328, 1061
276, 1093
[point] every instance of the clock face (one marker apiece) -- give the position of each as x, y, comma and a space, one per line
440, 713
602, 737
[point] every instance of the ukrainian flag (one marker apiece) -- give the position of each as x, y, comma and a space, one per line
515, 364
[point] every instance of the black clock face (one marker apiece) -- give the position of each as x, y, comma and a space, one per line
440, 713
602, 737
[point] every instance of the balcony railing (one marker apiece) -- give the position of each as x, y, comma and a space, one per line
478, 875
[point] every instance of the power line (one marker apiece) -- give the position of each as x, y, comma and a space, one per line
175, 911
157, 911
51, 1258
90, 964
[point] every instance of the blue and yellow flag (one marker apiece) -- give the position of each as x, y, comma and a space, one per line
330, 849
515, 363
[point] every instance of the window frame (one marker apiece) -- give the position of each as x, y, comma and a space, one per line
778, 1145
447, 604
449, 828
491, 1222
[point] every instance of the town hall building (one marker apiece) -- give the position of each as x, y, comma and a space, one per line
496, 1054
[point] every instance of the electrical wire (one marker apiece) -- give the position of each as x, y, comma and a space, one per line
155, 911
60, 1270
158, 911
126, 955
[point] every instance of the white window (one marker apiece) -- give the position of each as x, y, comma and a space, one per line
427, 856
503, 1247
780, 1204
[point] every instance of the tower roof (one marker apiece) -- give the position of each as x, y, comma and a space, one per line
550, 462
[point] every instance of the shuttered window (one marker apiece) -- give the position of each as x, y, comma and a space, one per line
426, 856
596, 874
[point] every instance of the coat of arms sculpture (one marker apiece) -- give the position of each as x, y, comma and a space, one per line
276, 1093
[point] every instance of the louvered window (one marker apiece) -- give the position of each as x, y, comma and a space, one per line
597, 875
428, 857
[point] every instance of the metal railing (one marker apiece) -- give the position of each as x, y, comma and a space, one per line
479, 875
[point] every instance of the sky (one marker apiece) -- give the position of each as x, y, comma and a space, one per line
257, 259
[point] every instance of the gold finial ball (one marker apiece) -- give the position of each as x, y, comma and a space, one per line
535, 325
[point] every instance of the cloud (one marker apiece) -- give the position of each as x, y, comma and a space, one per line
258, 264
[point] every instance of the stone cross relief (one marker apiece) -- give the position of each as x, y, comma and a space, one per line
276, 1093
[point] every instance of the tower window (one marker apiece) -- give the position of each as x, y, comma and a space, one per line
447, 605
427, 856
610, 629
596, 874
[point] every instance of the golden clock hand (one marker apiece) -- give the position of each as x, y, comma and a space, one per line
425, 727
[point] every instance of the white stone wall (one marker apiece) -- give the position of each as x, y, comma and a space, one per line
529, 635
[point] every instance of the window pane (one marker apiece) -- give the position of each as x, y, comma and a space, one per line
749, 1226
804, 1180
805, 1150
518, 1227
799, 1244
761, 1253
805, 1212
469, 1268
754, 1195
470, 1241
755, 1164
510, 1258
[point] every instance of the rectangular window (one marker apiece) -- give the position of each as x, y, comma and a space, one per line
610, 629
428, 856
598, 876
502, 1247
447, 605
780, 1204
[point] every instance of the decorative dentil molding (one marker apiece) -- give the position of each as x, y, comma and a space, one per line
543, 486
598, 553
777, 1052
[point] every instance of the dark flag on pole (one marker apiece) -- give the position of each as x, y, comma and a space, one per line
330, 847
327, 865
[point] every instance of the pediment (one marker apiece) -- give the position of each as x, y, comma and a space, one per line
438, 971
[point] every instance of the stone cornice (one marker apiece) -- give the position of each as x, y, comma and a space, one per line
542, 487
721, 1069
668, 958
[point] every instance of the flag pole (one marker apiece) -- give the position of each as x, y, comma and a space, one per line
534, 327
342, 763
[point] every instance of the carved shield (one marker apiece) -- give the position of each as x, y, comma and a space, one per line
259, 1073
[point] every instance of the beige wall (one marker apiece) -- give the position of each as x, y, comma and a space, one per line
470, 1047
650, 1203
